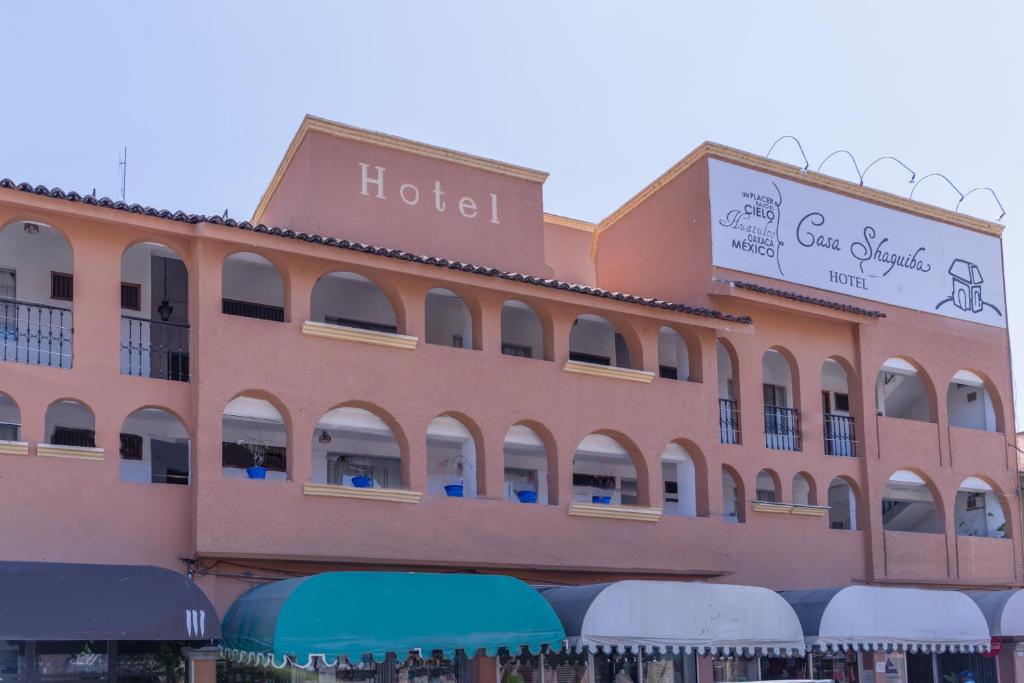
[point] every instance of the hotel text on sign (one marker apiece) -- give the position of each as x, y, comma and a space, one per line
781, 229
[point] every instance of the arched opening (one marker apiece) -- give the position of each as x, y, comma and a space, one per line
781, 418
804, 492
10, 419
840, 432
673, 355
979, 512
352, 300
451, 458
526, 466
969, 403
155, 448
252, 287
70, 423
728, 394
522, 333
355, 447
902, 391
448, 320
36, 293
603, 472
595, 340
734, 507
679, 477
767, 489
908, 505
254, 439
154, 313
842, 505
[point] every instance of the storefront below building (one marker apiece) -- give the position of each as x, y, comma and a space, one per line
135, 661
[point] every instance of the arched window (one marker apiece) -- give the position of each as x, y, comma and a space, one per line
448, 320
526, 467
734, 506
908, 505
451, 459
522, 333
728, 394
842, 505
352, 300
767, 490
155, 448
979, 512
781, 419
251, 287
36, 294
355, 447
673, 355
840, 432
803, 490
10, 419
604, 472
254, 439
901, 391
679, 476
595, 340
970, 403
154, 313
70, 423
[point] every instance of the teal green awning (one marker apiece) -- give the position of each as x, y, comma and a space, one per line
352, 614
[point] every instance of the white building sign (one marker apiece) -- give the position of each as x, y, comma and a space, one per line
782, 229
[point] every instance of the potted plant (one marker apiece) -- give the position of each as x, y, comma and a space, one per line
361, 478
455, 488
526, 496
258, 450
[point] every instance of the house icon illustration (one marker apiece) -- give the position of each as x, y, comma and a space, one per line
967, 280
967, 286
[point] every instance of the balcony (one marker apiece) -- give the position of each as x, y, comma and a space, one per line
984, 559
782, 428
153, 348
910, 555
840, 436
729, 421
37, 334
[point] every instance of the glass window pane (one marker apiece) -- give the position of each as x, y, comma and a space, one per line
71, 659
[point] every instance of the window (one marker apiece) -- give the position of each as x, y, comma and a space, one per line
68, 436
247, 309
62, 286
360, 324
457, 341
385, 472
975, 501
775, 395
131, 296
131, 447
237, 455
842, 402
668, 372
766, 495
519, 350
589, 358
596, 481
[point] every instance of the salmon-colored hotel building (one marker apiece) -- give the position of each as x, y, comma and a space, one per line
406, 426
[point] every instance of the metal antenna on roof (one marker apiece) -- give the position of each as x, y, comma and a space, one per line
799, 146
994, 196
123, 163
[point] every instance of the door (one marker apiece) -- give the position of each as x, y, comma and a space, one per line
170, 461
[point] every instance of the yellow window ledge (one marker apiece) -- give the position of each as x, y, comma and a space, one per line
789, 509
354, 334
633, 513
336, 491
628, 374
48, 450
13, 447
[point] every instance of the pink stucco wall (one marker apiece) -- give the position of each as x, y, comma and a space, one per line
70, 510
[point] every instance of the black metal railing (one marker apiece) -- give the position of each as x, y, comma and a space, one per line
782, 428
35, 333
153, 348
728, 420
840, 437
250, 309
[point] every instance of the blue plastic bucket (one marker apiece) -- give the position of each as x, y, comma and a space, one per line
256, 472
362, 482
527, 496
601, 500
453, 490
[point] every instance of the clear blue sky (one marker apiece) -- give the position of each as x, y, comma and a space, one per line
603, 95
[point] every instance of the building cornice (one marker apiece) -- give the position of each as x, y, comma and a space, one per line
316, 124
566, 222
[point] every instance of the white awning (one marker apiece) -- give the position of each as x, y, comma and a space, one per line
659, 616
892, 619
1004, 611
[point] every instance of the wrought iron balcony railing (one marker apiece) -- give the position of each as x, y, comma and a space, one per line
153, 348
782, 428
35, 333
728, 421
840, 437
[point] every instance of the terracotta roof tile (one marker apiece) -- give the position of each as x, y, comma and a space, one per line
803, 298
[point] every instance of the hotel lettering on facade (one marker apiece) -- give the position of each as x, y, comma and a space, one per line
754, 424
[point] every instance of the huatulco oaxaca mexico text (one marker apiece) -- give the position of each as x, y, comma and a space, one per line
405, 426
